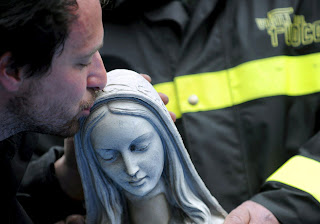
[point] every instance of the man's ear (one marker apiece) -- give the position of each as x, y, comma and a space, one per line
10, 78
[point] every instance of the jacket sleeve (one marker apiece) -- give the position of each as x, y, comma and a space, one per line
40, 193
292, 193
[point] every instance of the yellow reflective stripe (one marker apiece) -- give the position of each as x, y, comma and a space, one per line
280, 75
300, 172
211, 88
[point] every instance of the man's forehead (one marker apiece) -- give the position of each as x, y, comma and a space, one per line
86, 32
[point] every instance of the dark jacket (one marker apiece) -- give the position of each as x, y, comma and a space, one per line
243, 79
31, 193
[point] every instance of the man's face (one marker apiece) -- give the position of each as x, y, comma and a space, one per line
53, 103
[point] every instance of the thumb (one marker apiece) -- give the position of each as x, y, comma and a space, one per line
240, 215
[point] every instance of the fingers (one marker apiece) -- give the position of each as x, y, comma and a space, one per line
173, 116
67, 172
240, 215
250, 212
70, 153
75, 219
147, 77
164, 98
61, 222
69, 143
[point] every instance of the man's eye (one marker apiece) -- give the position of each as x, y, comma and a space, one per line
83, 65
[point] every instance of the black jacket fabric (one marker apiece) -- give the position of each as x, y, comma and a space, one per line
243, 79
31, 192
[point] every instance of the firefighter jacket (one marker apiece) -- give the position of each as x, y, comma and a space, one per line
30, 191
243, 78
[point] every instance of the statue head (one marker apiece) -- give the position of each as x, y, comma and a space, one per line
129, 146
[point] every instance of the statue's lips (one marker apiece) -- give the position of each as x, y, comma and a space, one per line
137, 183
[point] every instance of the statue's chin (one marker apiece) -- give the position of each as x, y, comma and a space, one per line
146, 195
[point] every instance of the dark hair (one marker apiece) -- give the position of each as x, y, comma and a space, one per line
34, 30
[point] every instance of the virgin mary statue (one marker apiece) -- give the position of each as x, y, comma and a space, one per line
133, 163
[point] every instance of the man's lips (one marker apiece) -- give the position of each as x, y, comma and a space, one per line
87, 107
85, 111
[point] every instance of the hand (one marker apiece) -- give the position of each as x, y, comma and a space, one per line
250, 212
72, 219
163, 97
67, 171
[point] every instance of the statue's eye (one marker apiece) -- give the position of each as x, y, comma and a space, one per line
139, 147
108, 155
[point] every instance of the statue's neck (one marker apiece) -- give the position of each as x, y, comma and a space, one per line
153, 210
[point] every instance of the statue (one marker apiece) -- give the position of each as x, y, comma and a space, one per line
132, 161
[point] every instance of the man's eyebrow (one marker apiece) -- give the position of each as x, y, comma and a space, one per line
93, 51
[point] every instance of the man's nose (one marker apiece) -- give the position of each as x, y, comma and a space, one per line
97, 78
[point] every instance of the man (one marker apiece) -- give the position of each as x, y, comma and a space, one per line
50, 69
243, 79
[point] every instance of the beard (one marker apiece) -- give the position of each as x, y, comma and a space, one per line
53, 119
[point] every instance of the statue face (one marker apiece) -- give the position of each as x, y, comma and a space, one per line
129, 151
